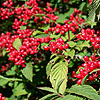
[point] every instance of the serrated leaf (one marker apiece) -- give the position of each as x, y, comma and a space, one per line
17, 44
3, 82
71, 53
72, 44
85, 91
28, 71
50, 64
48, 97
48, 89
78, 48
92, 10
19, 90
58, 73
84, 44
72, 97
23, 27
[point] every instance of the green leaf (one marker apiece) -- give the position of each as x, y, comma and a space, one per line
71, 53
23, 27
69, 12
10, 79
17, 44
72, 97
11, 71
48, 97
85, 91
41, 35
50, 64
92, 23
3, 82
37, 32
71, 64
48, 89
19, 90
45, 27
4, 52
82, 5
59, 98
72, 44
93, 8
84, 44
61, 18
28, 71
58, 75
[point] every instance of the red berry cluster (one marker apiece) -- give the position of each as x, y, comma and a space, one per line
69, 25
8, 3
25, 13
5, 40
29, 46
23, 33
23, 16
86, 68
2, 97
7, 11
57, 46
17, 24
90, 34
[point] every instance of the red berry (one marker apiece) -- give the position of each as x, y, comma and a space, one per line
86, 58
46, 48
66, 46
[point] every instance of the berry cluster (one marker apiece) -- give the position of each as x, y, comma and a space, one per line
23, 16
7, 11
29, 46
56, 46
69, 25
23, 33
86, 68
27, 14
90, 34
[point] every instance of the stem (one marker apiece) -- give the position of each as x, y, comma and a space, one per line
60, 95
68, 35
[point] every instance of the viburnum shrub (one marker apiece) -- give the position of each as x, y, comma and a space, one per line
46, 47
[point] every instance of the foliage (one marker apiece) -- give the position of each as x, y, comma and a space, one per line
49, 50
